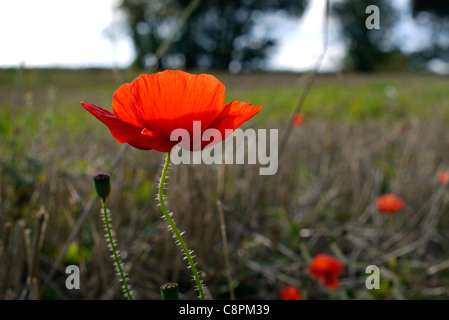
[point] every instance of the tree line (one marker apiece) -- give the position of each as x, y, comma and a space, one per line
234, 34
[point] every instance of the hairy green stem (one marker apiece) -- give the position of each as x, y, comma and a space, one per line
107, 225
175, 229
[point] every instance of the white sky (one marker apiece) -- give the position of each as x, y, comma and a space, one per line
63, 33
60, 33
302, 42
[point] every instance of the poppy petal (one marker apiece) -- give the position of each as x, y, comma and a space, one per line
122, 131
121, 104
443, 177
327, 269
169, 100
331, 282
149, 109
151, 140
232, 117
298, 119
389, 203
290, 293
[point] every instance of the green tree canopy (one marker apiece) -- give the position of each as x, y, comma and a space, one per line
217, 35
366, 48
433, 15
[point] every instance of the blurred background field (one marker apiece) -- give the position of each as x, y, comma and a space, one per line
364, 135
376, 117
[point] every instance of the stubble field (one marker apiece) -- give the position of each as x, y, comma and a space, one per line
363, 136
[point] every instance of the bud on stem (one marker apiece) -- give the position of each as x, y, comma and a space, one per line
170, 291
102, 184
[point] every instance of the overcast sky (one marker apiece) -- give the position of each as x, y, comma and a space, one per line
60, 33
49, 33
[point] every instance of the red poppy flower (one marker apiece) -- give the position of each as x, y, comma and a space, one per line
298, 119
290, 293
147, 110
326, 269
443, 177
389, 203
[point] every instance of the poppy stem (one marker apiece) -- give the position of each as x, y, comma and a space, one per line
112, 242
175, 230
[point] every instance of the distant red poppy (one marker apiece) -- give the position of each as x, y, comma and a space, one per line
443, 177
298, 119
326, 269
290, 293
147, 110
389, 203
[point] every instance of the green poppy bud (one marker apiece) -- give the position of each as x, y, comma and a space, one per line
102, 185
170, 291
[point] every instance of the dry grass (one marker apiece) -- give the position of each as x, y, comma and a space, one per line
320, 201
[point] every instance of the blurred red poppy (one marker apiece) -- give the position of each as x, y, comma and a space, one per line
147, 110
290, 293
326, 269
389, 203
443, 177
298, 119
